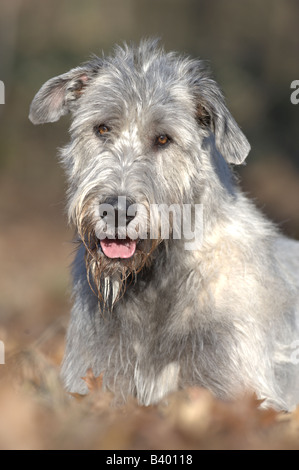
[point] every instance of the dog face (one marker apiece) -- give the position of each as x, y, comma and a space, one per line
140, 122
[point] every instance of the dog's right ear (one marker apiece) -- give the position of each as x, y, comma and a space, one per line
229, 139
59, 95
213, 114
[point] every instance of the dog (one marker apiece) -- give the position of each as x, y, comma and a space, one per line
153, 312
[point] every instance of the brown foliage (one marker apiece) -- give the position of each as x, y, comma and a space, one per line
36, 413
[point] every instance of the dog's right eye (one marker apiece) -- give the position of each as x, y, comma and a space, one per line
162, 140
102, 129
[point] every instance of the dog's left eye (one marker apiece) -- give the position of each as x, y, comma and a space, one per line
102, 129
162, 140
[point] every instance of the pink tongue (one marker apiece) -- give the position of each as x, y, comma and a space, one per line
118, 248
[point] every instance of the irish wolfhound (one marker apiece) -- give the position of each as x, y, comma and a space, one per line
151, 129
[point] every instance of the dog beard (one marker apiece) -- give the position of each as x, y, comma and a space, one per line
113, 264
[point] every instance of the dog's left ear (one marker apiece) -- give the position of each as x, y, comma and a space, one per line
59, 95
213, 113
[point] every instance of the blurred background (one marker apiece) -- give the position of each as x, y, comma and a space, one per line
253, 49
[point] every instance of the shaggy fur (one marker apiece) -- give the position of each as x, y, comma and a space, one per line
223, 316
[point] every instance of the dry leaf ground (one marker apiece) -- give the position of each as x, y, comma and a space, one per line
36, 413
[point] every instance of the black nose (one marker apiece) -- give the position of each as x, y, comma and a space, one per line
120, 205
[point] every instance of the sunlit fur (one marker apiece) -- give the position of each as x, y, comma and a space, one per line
224, 316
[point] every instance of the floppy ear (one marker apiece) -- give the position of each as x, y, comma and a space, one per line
213, 113
59, 95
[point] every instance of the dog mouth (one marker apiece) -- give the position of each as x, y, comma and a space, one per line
118, 248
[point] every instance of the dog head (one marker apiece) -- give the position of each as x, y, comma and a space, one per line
140, 122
